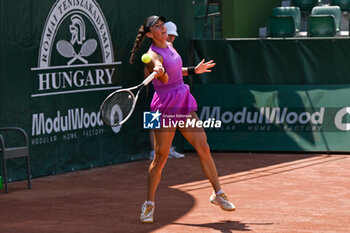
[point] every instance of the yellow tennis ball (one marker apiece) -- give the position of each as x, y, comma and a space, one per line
146, 58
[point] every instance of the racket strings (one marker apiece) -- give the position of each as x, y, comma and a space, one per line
117, 107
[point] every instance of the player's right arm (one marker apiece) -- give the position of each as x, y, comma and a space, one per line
156, 64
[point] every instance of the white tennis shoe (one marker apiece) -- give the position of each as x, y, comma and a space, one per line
151, 155
222, 201
174, 154
147, 212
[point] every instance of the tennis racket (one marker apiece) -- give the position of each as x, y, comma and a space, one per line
117, 108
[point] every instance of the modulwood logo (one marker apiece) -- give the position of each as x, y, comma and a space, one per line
263, 115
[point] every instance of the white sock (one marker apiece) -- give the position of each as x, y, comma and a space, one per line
219, 192
150, 203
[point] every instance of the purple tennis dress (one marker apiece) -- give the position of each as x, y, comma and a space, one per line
172, 98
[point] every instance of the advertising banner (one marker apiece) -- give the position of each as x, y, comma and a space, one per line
276, 117
59, 60
276, 94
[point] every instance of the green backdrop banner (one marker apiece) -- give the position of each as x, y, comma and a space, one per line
276, 94
59, 60
276, 61
276, 117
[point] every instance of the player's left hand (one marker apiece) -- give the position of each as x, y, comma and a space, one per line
204, 67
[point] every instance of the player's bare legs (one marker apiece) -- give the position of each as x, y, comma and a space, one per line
198, 139
163, 139
162, 144
173, 154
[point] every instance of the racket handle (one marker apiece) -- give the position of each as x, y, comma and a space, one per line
149, 78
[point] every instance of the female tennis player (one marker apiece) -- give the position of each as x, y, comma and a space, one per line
172, 98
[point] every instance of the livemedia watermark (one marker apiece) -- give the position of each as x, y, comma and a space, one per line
157, 120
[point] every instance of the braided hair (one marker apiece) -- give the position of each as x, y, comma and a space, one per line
138, 42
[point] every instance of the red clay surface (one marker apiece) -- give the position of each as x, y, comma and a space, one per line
272, 193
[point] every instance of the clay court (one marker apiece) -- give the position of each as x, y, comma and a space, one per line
272, 193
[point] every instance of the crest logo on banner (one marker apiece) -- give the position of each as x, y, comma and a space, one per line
77, 30
76, 51
75, 56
